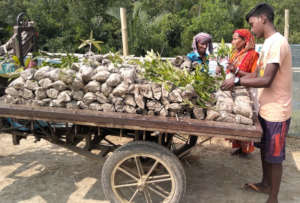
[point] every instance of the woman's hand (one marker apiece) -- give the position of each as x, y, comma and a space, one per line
231, 68
219, 70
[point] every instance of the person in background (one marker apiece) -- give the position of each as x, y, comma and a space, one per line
201, 43
274, 78
242, 62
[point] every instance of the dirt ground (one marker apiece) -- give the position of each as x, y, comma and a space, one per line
42, 172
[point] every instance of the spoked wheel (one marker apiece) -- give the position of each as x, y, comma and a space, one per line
143, 172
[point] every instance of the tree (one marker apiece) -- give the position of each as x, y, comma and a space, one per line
166, 26
213, 19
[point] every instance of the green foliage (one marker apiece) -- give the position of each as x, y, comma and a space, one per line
115, 58
166, 26
16, 61
223, 51
163, 72
89, 42
204, 85
66, 62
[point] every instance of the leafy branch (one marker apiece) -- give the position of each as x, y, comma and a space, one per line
163, 72
223, 52
89, 42
65, 62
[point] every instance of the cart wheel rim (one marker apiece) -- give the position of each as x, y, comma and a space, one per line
142, 179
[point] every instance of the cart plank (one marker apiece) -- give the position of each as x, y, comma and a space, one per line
132, 121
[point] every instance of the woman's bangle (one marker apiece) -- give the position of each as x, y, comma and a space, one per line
237, 70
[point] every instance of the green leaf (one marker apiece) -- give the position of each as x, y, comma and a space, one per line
16, 61
27, 61
89, 42
83, 44
97, 46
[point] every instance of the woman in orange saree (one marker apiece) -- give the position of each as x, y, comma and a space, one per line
242, 62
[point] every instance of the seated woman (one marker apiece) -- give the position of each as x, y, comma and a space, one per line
243, 62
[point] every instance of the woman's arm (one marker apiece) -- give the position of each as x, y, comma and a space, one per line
237, 71
247, 66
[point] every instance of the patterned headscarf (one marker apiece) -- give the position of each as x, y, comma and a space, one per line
202, 38
247, 57
249, 38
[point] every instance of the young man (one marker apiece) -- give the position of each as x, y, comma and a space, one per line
274, 78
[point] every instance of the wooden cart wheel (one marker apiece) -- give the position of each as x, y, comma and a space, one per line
143, 172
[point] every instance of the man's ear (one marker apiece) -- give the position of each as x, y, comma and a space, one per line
264, 19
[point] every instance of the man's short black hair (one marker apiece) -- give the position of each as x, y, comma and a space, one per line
262, 9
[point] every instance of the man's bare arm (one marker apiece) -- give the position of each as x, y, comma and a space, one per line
252, 80
262, 82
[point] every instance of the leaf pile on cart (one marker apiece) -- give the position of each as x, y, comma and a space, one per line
148, 86
159, 106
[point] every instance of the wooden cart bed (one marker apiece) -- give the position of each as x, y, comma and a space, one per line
134, 121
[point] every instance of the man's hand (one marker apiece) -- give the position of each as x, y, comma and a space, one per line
228, 84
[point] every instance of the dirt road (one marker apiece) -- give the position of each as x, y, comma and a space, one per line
42, 172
